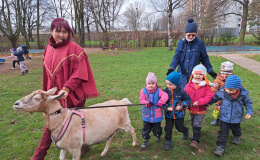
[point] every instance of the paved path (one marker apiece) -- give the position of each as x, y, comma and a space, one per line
243, 61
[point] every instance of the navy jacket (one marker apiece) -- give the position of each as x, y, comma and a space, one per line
179, 97
232, 110
187, 56
19, 55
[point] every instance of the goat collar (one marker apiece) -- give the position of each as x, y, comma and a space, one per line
64, 128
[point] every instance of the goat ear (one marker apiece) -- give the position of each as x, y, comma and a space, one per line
52, 91
50, 98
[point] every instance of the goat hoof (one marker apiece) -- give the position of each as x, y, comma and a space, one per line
134, 144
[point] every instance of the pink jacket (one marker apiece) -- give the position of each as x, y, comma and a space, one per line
202, 95
163, 97
13, 56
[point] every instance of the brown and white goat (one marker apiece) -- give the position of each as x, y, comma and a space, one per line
101, 123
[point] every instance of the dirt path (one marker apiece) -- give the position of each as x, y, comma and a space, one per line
243, 61
34, 63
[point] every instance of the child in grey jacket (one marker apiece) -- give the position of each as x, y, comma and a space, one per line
234, 97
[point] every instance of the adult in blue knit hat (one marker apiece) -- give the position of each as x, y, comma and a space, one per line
190, 52
233, 82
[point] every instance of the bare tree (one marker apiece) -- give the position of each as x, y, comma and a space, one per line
221, 11
134, 16
254, 14
168, 6
104, 12
10, 20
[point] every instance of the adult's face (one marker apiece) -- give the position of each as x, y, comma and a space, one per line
190, 36
59, 34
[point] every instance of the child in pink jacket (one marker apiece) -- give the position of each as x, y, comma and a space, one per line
200, 93
15, 59
152, 114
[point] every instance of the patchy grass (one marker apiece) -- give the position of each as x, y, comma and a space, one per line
254, 57
119, 76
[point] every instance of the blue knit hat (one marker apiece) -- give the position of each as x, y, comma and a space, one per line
174, 77
22, 45
191, 27
233, 82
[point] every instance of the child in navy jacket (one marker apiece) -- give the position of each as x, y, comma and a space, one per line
19, 55
175, 108
234, 96
152, 115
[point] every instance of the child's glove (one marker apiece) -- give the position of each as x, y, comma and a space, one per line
150, 104
169, 71
213, 74
159, 105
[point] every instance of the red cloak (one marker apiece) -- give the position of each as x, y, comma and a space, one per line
68, 66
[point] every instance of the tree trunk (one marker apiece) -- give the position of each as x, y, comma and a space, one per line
244, 22
169, 25
38, 25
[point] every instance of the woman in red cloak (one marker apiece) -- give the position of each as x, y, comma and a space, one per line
65, 66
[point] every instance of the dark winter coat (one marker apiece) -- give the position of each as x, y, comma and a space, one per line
179, 97
187, 56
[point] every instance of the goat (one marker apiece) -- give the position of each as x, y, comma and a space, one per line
101, 123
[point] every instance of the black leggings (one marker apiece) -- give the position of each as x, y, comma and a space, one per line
14, 63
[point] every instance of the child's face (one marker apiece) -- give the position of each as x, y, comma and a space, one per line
231, 91
151, 86
198, 76
170, 86
225, 76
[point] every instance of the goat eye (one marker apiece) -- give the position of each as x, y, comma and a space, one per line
37, 99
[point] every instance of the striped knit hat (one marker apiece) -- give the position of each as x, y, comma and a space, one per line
151, 78
226, 68
233, 82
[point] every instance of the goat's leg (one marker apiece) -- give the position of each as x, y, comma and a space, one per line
109, 141
63, 155
76, 154
129, 128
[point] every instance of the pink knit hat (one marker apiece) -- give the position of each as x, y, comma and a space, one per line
151, 78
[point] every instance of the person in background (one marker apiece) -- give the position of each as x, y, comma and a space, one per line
190, 52
200, 93
65, 66
26, 52
225, 71
235, 97
15, 59
175, 108
154, 97
20, 58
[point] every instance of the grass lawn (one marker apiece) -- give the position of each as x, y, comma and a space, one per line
117, 77
255, 57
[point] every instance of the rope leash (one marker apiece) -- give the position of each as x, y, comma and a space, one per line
76, 108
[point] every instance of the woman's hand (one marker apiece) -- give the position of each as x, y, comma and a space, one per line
66, 93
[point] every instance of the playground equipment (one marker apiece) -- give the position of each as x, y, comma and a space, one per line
2, 60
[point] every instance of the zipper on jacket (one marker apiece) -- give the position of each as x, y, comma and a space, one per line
231, 111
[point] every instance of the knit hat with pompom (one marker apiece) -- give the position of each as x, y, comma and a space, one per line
191, 27
151, 78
